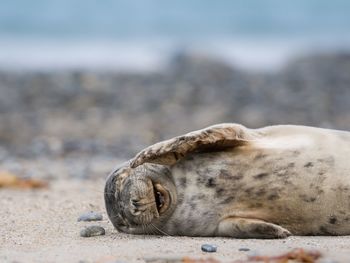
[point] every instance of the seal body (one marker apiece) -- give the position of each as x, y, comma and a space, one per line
264, 183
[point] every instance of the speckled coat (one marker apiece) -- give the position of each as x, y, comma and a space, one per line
227, 180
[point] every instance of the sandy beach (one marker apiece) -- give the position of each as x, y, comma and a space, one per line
84, 123
41, 226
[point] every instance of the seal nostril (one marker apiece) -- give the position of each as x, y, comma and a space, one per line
135, 202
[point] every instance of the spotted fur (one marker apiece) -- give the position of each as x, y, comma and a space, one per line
228, 180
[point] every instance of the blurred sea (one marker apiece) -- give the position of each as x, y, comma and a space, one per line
143, 34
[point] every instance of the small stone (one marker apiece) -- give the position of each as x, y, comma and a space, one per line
91, 231
244, 249
209, 248
327, 260
90, 216
164, 259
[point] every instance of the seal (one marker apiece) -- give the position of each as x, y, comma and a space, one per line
230, 181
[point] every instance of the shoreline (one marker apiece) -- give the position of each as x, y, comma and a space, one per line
146, 56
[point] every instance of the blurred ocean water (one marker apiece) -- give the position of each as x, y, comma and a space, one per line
142, 34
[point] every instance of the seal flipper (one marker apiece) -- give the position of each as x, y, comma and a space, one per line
250, 228
213, 138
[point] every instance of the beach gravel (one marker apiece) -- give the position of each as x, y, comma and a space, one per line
91, 231
208, 248
90, 216
55, 114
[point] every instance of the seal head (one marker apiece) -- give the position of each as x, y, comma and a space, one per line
140, 200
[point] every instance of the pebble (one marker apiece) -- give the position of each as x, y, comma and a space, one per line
244, 249
91, 231
327, 260
90, 216
209, 248
164, 259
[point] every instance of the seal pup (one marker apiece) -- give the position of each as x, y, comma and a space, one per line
230, 181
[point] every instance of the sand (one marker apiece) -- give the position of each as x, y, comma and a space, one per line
41, 226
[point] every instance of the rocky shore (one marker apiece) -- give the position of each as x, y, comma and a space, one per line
112, 115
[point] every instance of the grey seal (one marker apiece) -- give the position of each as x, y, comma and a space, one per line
230, 181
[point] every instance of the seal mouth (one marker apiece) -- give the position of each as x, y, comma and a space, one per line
162, 198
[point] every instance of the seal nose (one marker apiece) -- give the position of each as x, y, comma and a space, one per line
141, 196
135, 203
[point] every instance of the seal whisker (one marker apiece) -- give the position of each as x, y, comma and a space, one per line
143, 230
161, 231
154, 230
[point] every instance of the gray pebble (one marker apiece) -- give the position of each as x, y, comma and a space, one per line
244, 249
327, 260
163, 260
209, 248
90, 216
91, 231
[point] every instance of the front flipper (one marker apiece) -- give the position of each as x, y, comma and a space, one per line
250, 228
216, 137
